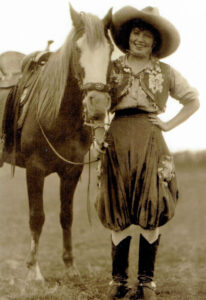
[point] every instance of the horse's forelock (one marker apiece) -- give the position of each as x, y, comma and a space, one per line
94, 30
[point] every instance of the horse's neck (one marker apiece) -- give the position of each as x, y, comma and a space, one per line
71, 107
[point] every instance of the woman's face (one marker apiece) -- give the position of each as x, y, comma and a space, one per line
141, 42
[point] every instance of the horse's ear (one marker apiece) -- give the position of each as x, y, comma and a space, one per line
75, 16
107, 19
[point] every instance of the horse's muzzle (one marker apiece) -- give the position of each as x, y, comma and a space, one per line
96, 105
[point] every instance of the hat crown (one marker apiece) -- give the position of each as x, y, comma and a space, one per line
151, 10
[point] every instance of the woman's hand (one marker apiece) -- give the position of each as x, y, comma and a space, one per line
154, 119
188, 109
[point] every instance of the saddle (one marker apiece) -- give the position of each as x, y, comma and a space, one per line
10, 68
14, 95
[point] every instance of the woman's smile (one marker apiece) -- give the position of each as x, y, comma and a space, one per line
140, 45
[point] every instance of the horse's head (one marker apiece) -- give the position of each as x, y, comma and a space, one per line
94, 49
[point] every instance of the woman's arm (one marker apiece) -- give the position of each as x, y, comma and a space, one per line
180, 90
188, 109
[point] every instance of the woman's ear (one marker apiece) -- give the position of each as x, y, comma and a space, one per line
154, 44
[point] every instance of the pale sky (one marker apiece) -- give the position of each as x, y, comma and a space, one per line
26, 25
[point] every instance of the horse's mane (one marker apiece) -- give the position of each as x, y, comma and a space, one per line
53, 79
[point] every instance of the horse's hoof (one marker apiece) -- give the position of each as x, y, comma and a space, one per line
34, 274
72, 271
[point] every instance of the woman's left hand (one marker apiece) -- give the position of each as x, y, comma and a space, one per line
154, 119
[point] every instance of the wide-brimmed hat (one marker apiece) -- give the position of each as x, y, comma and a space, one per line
169, 36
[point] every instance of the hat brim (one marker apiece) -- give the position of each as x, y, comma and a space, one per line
170, 38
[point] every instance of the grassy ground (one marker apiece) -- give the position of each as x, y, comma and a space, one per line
181, 262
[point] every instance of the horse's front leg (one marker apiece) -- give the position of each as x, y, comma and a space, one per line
68, 184
35, 183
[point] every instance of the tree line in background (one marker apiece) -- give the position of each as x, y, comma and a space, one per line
190, 159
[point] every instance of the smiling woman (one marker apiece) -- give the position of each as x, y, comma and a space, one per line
141, 42
137, 181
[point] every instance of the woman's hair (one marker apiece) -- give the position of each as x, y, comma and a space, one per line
127, 28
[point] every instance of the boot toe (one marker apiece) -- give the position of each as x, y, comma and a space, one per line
117, 290
145, 291
148, 291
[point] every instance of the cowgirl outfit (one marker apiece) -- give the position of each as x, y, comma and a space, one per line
137, 180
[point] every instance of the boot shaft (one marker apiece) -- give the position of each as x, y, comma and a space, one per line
120, 256
147, 258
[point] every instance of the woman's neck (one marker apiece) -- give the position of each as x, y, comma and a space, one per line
137, 64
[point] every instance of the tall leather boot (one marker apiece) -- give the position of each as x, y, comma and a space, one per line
120, 253
146, 266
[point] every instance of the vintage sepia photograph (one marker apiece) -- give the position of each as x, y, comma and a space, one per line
102, 150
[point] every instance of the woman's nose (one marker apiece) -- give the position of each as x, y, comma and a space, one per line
140, 37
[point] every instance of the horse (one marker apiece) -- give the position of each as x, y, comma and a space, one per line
54, 136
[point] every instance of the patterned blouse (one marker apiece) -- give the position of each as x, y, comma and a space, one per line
137, 94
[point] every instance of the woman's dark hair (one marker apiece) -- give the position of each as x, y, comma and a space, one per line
127, 28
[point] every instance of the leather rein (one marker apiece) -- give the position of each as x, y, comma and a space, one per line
87, 87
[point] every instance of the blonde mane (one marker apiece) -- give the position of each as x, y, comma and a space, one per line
53, 79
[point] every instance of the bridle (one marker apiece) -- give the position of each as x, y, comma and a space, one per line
85, 88
95, 86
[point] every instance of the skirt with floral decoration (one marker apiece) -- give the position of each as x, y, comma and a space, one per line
137, 180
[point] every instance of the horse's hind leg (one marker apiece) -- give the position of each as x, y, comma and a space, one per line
68, 184
35, 182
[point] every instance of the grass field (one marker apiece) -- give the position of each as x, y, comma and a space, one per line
181, 262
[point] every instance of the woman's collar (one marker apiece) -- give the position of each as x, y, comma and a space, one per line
153, 64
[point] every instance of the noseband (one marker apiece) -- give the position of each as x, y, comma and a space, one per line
95, 86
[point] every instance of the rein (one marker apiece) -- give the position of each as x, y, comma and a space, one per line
59, 155
74, 164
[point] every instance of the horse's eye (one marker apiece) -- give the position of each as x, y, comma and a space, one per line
91, 98
76, 48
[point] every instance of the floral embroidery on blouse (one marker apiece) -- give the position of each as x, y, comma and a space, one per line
154, 71
155, 82
151, 84
155, 77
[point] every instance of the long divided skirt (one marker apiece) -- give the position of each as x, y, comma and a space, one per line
137, 180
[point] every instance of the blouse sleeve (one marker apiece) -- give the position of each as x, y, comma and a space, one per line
180, 89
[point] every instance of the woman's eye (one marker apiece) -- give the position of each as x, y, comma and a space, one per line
136, 32
148, 35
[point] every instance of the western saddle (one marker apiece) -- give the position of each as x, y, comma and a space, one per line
18, 72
